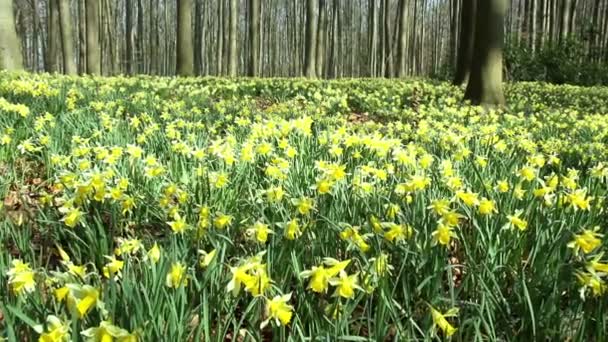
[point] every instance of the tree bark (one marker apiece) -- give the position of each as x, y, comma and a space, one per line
254, 37
10, 50
464, 57
402, 45
321, 36
185, 53
93, 55
234, 28
311, 37
129, 37
485, 82
53, 36
67, 41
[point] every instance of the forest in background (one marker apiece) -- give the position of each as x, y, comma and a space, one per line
561, 41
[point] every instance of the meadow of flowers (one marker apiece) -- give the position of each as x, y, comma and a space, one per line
202, 209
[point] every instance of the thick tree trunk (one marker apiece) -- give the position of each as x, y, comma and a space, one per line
93, 56
234, 29
468, 17
67, 41
185, 53
485, 82
10, 50
311, 37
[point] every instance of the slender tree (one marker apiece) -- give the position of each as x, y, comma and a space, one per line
254, 37
311, 39
485, 81
402, 43
185, 50
321, 39
93, 55
233, 52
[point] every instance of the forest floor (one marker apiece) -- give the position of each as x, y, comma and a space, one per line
264, 209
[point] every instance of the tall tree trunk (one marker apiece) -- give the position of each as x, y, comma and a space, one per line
464, 57
81, 37
53, 36
321, 34
220, 37
93, 56
311, 37
67, 41
185, 53
485, 82
565, 17
534, 16
234, 29
402, 52
139, 40
254, 37
373, 37
389, 70
129, 37
10, 51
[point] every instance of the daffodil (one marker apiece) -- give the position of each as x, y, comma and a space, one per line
278, 310
206, 257
587, 241
153, 254
345, 284
303, 204
398, 232
107, 332
443, 234
56, 330
113, 268
221, 221
177, 276
487, 207
440, 321
259, 231
21, 277
516, 222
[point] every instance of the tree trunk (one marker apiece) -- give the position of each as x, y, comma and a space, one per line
185, 53
139, 39
10, 50
129, 37
93, 61
321, 33
402, 52
389, 70
311, 37
254, 37
234, 28
53, 36
81, 37
67, 41
485, 82
464, 57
